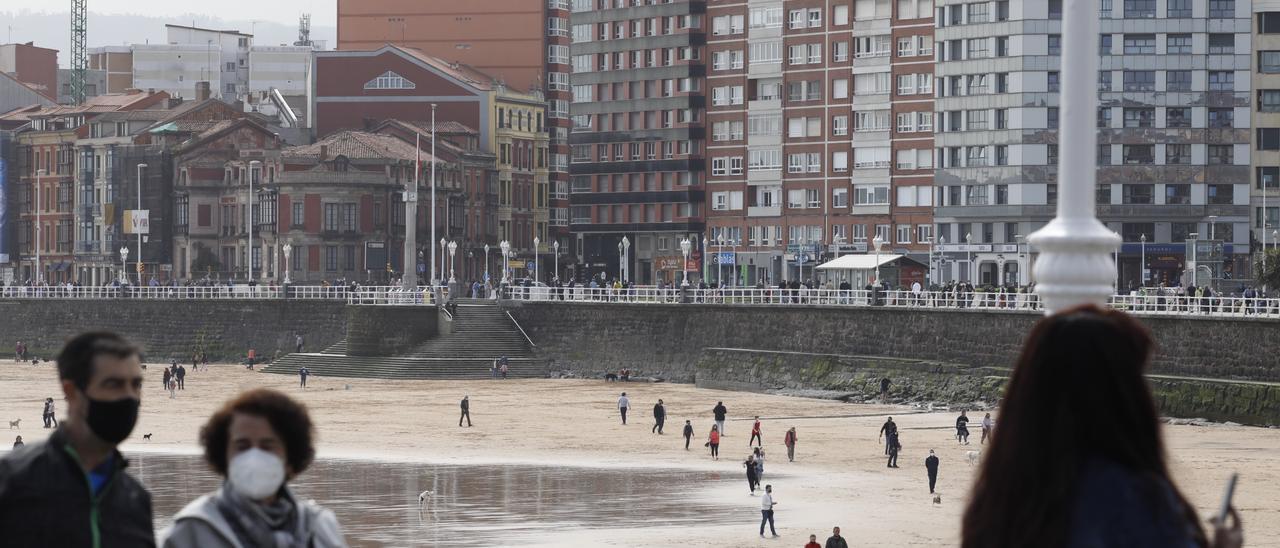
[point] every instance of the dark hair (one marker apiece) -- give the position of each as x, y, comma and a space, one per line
75, 361
1077, 393
288, 418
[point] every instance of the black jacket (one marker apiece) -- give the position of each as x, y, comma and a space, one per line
720, 412
659, 412
45, 501
837, 542
688, 430
931, 464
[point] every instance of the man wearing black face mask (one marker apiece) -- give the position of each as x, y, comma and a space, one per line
72, 490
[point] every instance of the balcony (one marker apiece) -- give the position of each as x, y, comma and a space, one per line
764, 211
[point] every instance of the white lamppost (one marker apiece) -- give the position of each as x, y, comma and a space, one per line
942, 240
253, 166
139, 208
124, 260
704, 258
1075, 265
506, 259
555, 247
287, 248
536, 241
685, 247
453, 248
968, 240
1021, 268
432, 184
1142, 269
878, 242
486, 264
720, 262
626, 256
40, 271
1000, 268
444, 247
929, 281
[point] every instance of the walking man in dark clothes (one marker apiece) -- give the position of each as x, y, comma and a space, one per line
49, 419
888, 429
894, 447
466, 411
181, 376
962, 428
931, 466
884, 390
835, 540
297, 343
659, 417
688, 434
720, 413
303, 373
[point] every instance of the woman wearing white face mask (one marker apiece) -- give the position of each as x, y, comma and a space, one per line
257, 441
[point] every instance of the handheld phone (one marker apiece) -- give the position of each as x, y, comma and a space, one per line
1226, 498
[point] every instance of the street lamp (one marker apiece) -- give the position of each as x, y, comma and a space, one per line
124, 259
536, 241
505, 246
453, 248
1000, 267
704, 258
1213, 219
968, 240
620, 261
1142, 269
685, 246
486, 264
139, 208
878, 242
555, 246
626, 256
253, 166
287, 248
444, 245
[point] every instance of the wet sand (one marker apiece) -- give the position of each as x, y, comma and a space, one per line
839, 477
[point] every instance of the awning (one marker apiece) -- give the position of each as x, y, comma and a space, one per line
859, 262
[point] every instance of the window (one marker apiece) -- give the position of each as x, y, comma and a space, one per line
840, 15
1138, 194
1179, 9
915, 159
871, 46
977, 13
1139, 44
1221, 155
840, 88
1177, 154
1222, 9
1222, 44
1104, 117
840, 161
389, 80
840, 51
1052, 81
1179, 194
975, 156
1269, 100
1177, 117
839, 125
1268, 139
1139, 9
870, 157
764, 124
870, 120
298, 215
815, 18
766, 17
1104, 80
876, 83
976, 119
1221, 117
765, 52
1055, 10
1269, 62
1221, 195
877, 194
1268, 22
1055, 44
1139, 117
1139, 154
796, 19
1177, 80
1002, 155
764, 159
906, 46
1268, 177
1139, 80
1104, 155
976, 195
1222, 80
1178, 44
977, 48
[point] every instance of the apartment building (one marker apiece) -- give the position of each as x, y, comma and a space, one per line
1173, 153
821, 119
1265, 158
637, 168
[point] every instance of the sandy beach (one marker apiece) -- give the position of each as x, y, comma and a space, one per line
839, 477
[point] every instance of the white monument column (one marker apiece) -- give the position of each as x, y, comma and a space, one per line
1075, 264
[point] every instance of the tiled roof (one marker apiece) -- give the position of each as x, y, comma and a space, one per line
358, 145
461, 71
450, 127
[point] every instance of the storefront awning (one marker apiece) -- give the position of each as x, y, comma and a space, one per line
860, 262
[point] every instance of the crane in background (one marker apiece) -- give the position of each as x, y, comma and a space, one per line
79, 54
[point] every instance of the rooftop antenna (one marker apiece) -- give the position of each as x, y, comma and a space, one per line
304, 30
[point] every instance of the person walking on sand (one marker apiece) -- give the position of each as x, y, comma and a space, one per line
18, 442
790, 441
180, 375
303, 373
755, 433
753, 477
766, 511
894, 447
297, 343
888, 429
962, 428
688, 434
987, 424
623, 405
713, 441
759, 455
466, 411
503, 367
659, 417
813, 542
931, 466
720, 411
168, 376
50, 421
835, 540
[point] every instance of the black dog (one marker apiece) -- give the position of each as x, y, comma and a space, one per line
611, 377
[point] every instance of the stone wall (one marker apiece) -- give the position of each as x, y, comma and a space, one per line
665, 340
226, 329
388, 330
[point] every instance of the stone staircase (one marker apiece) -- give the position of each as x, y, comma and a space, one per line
481, 332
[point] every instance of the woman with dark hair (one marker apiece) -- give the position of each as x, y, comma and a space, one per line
1079, 461
257, 441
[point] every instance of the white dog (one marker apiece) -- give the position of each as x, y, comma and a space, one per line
425, 497
975, 457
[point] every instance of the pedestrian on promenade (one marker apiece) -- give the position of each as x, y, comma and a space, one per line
753, 477
72, 490
168, 377
297, 343
713, 441
755, 433
790, 441
503, 367
720, 411
759, 455
813, 542
962, 428
888, 429
931, 466
688, 434
253, 355
257, 442
884, 390
766, 511
1083, 461
659, 417
180, 375
50, 421
17, 442
623, 405
466, 412
894, 448
835, 540
987, 424
303, 373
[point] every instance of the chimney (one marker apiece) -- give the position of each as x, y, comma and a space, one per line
202, 91
324, 152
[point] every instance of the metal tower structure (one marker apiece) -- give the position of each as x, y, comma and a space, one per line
304, 30
79, 55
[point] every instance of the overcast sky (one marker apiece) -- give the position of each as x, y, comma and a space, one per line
323, 12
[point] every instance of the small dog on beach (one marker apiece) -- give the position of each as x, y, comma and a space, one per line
15, 424
425, 496
937, 500
975, 457
611, 377
147, 437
